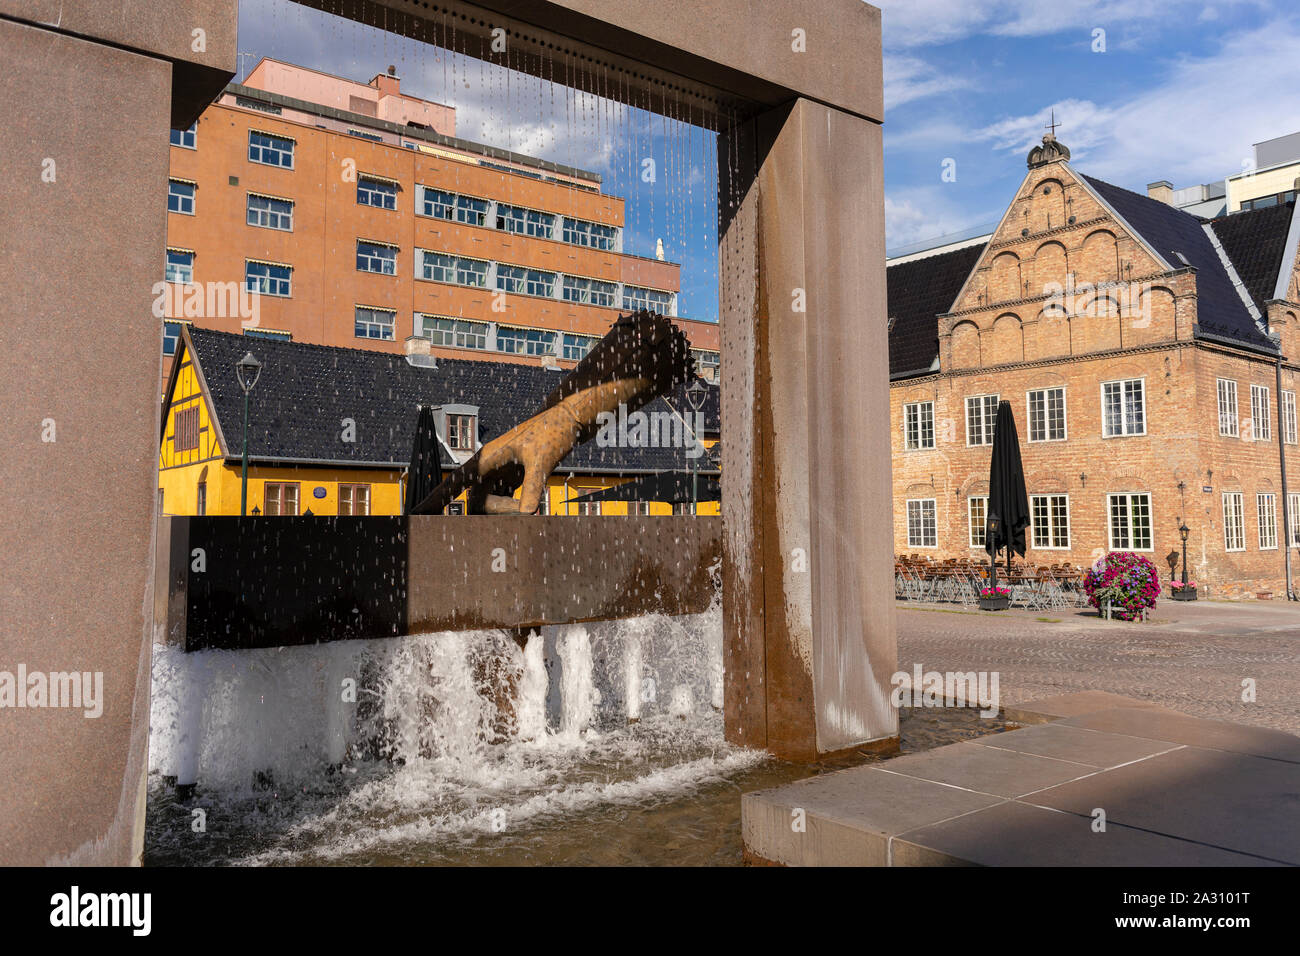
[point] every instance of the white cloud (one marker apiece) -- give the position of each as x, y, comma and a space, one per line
910, 78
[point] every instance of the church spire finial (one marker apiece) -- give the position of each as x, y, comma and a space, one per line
1051, 150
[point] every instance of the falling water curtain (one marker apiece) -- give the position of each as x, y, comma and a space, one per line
1008, 507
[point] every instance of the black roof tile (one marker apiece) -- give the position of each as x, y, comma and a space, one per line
1255, 242
919, 291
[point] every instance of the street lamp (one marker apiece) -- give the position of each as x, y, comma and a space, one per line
247, 371
1182, 533
695, 394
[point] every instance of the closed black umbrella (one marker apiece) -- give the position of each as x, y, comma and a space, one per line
673, 487
425, 472
1008, 507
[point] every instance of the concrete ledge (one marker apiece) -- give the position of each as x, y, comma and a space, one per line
1173, 790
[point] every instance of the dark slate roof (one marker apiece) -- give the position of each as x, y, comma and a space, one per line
1219, 309
920, 291
1255, 242
297, 408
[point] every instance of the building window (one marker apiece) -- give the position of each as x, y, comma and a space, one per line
525, 341
269, 213
679, 508
918, 425
201, 499
361, 134
185, 429
652, 300
185, 138
460, 432
280, 498
270, 150
1123, 408
457, 270
180, 266
1293, 513
977, 509
171, 337
454, 333
589, 291
275, 335
1227, 390
1050, 515
576, 347
471, 211
525, 222
373, 257
1260, 424
981, 414
180, 197
354, 499
640, 509
525, 281
377, 193
1234, 522
1130, 522
922, 531
1266, 507
267, 278
579, 232
375, 323
708, 365
1288, 418
439, 204
1047, 414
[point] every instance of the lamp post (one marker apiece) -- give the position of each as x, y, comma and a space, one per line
1182, 533
247, 371
695, 394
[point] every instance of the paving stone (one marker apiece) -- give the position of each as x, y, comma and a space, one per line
1069, 705
972, 766
1015, 834
1092, 747
1195, 731
1235, 801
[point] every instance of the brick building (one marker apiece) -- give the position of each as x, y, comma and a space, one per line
1151, 359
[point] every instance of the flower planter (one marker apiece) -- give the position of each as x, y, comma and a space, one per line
1183, 594
995, 603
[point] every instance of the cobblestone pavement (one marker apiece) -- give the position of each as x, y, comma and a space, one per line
1191, 657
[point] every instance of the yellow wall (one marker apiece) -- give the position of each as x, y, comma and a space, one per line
1267, 182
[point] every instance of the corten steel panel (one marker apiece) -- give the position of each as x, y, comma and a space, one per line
79, 256
202, 63
809, 527
555, 570
721, 52
272, 582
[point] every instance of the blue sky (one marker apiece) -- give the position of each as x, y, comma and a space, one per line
1180, 92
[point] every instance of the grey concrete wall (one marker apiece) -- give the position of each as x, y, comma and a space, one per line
82, 234
556, 570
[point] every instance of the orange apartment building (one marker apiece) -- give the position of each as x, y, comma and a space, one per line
360, 220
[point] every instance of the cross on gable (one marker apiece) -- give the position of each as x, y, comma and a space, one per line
1053, 124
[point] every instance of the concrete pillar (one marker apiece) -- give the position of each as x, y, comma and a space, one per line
808, 603
89, 90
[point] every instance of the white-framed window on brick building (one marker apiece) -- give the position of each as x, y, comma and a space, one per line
1261, 426
1046, 413
1227, 407
918, 425
1050, 521
981, 415
1266, 509
977, 510
922, 530
1234, 522
1288, 418
1123, 408
1130, 521
1293, 518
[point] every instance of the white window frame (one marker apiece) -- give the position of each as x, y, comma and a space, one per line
1289, 431
268, 284
264, 216
192, 132
1129, 497
1123, 407
986, 425
1234, 531
1047, 417
381, 260
181, 198
1293, 510
377, 189
1267, 542
290, 152
934, 517
1052, 526
1261, 410
185, 271
971, 526
920, 444
377, 310
1226, 389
